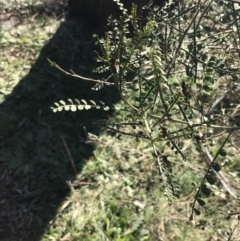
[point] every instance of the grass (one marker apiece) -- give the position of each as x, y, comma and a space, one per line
119, 197
117, 192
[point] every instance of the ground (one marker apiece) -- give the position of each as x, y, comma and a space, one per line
105, 191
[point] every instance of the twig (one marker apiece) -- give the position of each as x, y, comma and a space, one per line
73, 74
219, 174
12, 138
182, 38
69, 155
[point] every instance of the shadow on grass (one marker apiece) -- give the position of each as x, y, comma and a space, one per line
35, 165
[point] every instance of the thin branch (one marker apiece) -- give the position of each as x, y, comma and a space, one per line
73, 74
69, 156
219, 174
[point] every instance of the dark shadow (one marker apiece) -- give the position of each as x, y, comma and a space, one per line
35, 166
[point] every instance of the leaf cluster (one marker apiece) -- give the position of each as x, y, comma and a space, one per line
74, 105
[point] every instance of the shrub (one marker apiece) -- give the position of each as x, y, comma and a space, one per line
176, 77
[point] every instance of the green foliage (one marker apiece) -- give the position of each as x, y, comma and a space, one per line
80, 105
172, 76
